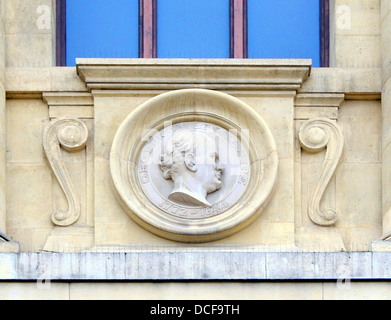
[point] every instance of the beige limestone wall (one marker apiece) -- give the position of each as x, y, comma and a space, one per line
386, 105
358, 178
2, 119
26, 40
29, 188
355, 33
30, 33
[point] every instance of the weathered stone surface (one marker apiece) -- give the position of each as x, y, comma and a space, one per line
196, 264
3, 161
356, 33
30, 33
359, 81
386, 116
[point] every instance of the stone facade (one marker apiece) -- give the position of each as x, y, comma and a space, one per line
327, 216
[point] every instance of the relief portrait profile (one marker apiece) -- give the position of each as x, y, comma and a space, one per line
167, 160
191, 161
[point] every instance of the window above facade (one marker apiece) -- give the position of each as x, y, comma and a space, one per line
284, 29
192, 29
106, 29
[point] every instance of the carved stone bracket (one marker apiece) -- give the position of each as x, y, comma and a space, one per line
71, 134
315, 135
69, 104
310, 105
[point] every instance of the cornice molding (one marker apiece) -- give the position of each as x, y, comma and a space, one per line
69, 104
172, 74
310, 105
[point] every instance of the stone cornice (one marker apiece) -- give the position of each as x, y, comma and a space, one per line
172, 74
354, 83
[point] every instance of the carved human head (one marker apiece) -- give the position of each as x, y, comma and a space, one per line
190, 159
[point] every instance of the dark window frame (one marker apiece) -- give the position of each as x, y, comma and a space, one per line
61, 30
324, 33
148, 30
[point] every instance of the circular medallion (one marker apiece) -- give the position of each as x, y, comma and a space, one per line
194, 165
194, 170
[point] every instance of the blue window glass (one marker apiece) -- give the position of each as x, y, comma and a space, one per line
102, 29
284, 29
193, 29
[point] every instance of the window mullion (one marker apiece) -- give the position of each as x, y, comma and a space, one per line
148, 29
238, 29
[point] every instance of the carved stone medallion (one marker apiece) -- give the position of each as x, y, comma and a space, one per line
194, 165
194, 170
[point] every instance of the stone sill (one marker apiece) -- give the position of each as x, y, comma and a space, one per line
196, 264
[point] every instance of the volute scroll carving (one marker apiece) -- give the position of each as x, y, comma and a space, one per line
71, 135
315, 135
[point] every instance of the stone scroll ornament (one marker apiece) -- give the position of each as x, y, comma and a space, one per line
71, 135
315, 135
